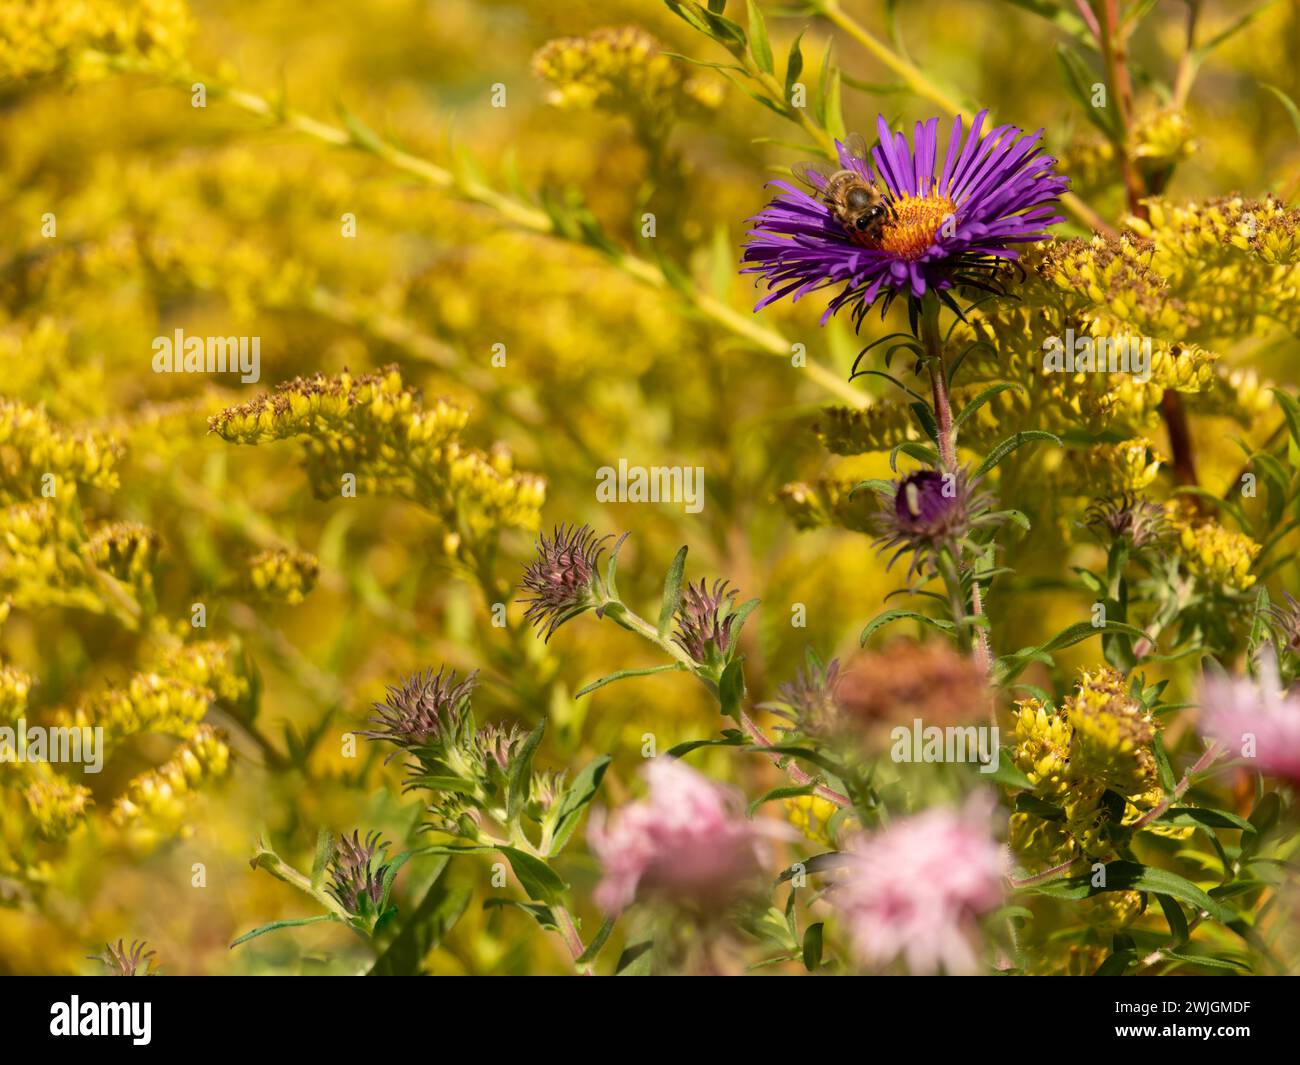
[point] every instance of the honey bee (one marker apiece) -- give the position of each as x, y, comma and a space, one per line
858, 204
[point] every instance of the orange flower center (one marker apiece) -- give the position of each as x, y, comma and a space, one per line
919, 219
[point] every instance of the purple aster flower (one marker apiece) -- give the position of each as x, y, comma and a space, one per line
928, 509
909, 232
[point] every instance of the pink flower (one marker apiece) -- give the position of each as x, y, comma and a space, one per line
688, 840
914, 889
1254, 719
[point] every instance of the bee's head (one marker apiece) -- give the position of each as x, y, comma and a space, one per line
870, 217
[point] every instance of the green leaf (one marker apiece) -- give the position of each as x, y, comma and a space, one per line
1007, 774
521, 773
1010, 444
593, 948
816, 864
1291, 411
1176, 918
539, 880
1294, 113
1078, 80
324, 852
979, 401
793, 66
812, 946
1131, 876
759, 47
576, 797
789, 792
1010, 666
435, 915
672, 593
1234, 27
611, 568
636, 959
897, 615
1182, 815
623, 674
731, 688
541, 914
283, 924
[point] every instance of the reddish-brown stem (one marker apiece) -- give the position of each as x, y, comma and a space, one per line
796, 774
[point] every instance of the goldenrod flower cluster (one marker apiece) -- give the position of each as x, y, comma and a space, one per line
1091, 760
371, 435
155, 805
150, 702
39, 458
622, 70
1217, 556
14, 688
40, 37
811, 815
57, 806
284, 575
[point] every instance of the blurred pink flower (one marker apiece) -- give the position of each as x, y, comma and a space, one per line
914, 889
1256, 720
688, 840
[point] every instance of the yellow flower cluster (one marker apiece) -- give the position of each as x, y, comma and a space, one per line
1212, 554
40, 37
210, 664
1110, 469
811, 815
622, 70
284, 575
372, 435
155, 804
40, 458
150, 702
14, 688
56, 805
1091, 759
125, 549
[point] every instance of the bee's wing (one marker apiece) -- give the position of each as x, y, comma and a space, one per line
857, 146
814, 175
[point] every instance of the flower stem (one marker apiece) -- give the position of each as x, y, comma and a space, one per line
633, 622
569, 933
932, 342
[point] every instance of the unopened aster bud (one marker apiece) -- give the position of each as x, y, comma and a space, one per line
564, 578
120, 960
356, 882
704, 620
427, 709
1128, 517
